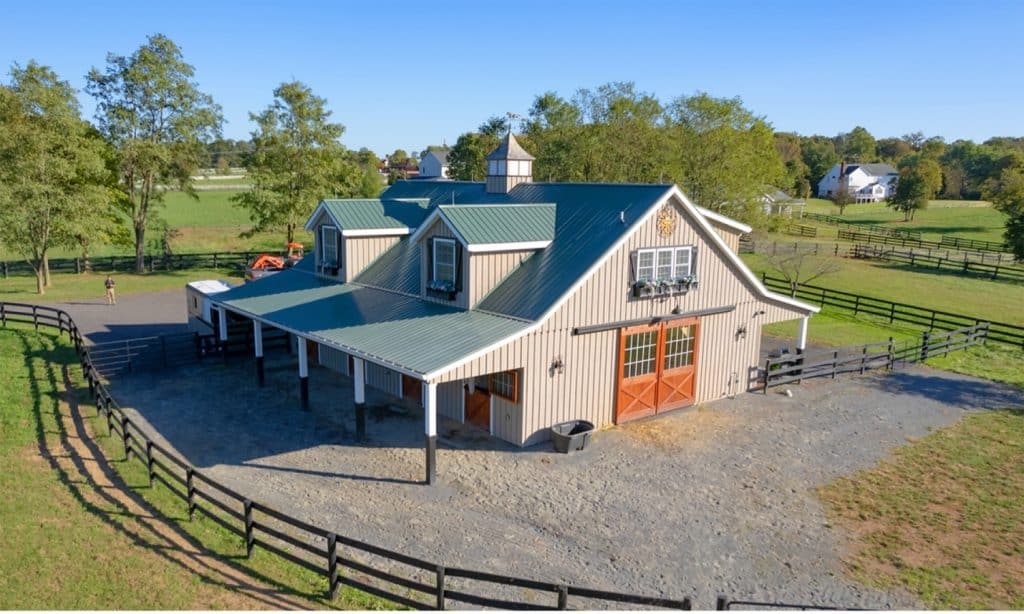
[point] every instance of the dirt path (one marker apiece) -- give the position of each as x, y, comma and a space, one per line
223, 586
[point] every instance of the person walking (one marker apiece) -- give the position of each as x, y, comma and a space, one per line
109, 285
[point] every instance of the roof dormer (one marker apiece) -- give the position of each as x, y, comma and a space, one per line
508, 166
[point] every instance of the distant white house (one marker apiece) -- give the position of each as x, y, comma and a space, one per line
776, 202
434, 164
866, 183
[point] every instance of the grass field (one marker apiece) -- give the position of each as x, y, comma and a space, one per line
68, 286
943, 518
72, 540
968, 219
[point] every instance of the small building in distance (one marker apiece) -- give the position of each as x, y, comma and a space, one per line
434, 164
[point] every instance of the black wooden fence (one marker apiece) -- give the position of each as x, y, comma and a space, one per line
863, 226
793, 368
160, 262
1010, 334
976, 244
964, 266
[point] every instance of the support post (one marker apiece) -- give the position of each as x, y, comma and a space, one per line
430, 418
250, 538
332, 565
124, 438
190, 490
801, 343
440, 576
303, 372
222, 325
257, 337
359, 387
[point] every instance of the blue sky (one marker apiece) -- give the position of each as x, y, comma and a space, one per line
411, 74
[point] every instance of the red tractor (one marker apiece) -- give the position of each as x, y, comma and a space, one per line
268, 264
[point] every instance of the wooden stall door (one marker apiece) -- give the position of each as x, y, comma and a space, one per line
639, 356
676, 383
412, 389
478, 408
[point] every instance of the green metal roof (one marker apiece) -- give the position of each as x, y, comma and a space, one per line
398, 331
502, 223
377, 213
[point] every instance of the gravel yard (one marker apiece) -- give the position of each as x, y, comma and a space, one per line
719, 499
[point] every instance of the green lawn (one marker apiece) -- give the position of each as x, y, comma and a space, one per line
944, 517
68, 286
968, 219
71, 543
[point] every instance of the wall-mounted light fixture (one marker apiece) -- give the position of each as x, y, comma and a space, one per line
557, 366
759, 312
741, 332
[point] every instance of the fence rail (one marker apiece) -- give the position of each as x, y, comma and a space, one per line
878, 229
793, 368
964, 266
153, 262
1010, 334
988, 246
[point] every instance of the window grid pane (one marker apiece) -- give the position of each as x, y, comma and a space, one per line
641, 354
664, 264
679, 347
503, 384
682, 268
444, 261
645, 265
329, 240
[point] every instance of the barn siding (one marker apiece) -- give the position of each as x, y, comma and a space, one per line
383, 379
487, 270
730, 235
449, 400
361, 251
586, 388
333, 359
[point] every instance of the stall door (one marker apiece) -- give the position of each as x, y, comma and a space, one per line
478, 408
412, 390
657, 369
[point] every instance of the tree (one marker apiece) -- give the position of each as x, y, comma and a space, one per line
802, 267
150, 109
724, 154
467, 161
857, 145
920, 180
842, 198
819, 154
53, 176
297, 161
892, 149
1007, 194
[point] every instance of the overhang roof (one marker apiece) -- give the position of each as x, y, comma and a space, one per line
403, 333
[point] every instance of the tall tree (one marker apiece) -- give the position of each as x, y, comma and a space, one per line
857, 145
920, 180
1007, 193
54, 182
725, 155
467, 160
151, 110
819, 154
297, 160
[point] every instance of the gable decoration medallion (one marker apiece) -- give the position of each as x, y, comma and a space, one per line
666, 220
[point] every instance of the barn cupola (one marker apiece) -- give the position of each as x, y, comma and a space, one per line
508, 166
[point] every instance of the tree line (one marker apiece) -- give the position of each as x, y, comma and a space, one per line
66, 182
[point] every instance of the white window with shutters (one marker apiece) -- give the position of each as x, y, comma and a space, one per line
664, 263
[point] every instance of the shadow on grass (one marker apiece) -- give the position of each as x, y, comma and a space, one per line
111, 510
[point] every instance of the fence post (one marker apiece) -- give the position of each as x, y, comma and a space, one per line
149, 462
250, 539
332, 565
892, 355
214, 259
892, 312
856, 305
863, 359
190, 492
563, 597
3, 309
835, 363
110, 416
722, 603
440, 582
925, 338
767, 373
35, 317
5, 269
78, 266
124, 438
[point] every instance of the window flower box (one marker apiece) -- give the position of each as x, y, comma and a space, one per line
644, 288
329, 268
444, 290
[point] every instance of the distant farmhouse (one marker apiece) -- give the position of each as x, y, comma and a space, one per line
866, 183
513, 306
776, 202
434, 164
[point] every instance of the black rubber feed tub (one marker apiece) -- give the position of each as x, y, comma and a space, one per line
571, 436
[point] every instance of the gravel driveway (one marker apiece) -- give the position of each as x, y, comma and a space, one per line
721, 499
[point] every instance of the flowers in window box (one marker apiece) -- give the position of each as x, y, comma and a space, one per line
687, 283
329, 267
644, 287
441, 288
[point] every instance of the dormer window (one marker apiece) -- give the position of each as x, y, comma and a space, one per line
444, 261
329, 261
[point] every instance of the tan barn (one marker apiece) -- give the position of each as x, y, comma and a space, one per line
515, 305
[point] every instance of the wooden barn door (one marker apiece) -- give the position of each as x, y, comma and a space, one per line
676, 385
478, 408
638, 373
657, 369
412, 389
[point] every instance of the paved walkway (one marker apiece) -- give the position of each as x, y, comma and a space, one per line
134, 315
693, 503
